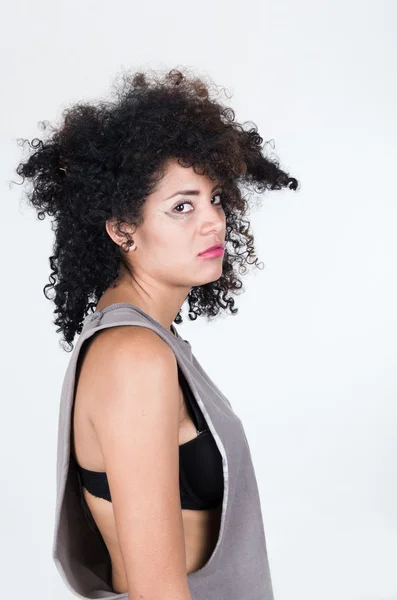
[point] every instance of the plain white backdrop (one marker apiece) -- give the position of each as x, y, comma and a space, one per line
310, 361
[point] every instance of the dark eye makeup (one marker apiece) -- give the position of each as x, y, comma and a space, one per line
191, 203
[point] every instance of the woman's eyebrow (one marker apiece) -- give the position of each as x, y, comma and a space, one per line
190, 192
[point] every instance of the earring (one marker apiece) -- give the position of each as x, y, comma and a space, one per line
127, 245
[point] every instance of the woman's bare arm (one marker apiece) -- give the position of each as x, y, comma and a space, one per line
135, 411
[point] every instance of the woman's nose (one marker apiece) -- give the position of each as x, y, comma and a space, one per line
214, 220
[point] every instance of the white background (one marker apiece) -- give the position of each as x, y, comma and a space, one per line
309, 363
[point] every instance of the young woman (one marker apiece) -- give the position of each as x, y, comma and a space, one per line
145, 192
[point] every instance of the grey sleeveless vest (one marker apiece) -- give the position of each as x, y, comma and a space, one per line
238, 567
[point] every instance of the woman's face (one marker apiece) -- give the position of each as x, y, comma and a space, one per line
178, 225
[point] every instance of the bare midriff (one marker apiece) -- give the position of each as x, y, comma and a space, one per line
201, 529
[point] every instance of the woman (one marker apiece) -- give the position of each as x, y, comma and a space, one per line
146, 199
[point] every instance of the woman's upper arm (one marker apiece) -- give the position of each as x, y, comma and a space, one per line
135, 413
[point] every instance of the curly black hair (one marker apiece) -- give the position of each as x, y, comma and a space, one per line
107, 156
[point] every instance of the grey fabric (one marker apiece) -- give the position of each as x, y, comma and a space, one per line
238, 567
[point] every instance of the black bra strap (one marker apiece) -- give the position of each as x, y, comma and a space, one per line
194, 411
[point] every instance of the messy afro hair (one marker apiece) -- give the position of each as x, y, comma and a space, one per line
107, 156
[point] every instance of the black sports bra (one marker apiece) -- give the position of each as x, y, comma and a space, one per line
200, 465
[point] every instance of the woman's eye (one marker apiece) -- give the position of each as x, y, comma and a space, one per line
182, 204
219, 195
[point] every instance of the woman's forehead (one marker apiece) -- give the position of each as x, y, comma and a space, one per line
177, 177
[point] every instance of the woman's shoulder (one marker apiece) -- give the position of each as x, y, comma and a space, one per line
123, 342
124, 358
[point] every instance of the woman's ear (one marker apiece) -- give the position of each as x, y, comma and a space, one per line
120, 233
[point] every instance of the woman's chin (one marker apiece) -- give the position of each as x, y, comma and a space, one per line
209, 278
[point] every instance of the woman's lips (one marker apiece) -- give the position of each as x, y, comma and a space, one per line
212, 253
